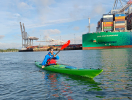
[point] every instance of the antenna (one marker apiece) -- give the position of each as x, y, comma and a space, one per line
89, 25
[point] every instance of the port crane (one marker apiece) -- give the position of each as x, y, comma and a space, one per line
26, 39
127, 9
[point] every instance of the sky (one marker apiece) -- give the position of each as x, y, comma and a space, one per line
54, 19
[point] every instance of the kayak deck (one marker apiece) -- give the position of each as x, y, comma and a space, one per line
90, 73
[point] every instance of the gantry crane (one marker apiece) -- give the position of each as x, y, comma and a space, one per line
26, 39
123, 9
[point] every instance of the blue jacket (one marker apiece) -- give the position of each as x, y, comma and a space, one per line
49, 57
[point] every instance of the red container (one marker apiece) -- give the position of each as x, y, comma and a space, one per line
122, 26
119, 19
107, 25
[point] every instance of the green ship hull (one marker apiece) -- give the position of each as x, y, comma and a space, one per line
107, 40
90, 73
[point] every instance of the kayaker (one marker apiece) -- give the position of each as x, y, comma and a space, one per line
47, 60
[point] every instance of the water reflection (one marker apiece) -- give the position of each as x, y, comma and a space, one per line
66, 85
116, 75
59, 88
91, 59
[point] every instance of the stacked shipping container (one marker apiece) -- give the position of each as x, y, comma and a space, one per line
99, 25
129, 21
120, 22
107, 22
114, 22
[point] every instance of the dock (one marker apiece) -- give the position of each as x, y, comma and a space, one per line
55, 47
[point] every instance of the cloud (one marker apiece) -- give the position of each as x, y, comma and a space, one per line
38, 14
49, 34
98, 9
22, 5
76, 28
48, 12
43, 3
51, 31
74, 37
43, 9
2, 36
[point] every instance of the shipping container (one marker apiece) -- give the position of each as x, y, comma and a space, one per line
123, 17
110, 27
119, 19
107, 16
107, 19
129, 22
129, 26
108, 23
98, 29
101, 20
117, 15
121, 26
119, 22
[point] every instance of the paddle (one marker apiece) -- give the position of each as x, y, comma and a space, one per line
64, 46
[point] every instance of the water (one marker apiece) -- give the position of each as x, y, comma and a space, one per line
20, 79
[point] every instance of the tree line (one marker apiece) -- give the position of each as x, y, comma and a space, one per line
9, 50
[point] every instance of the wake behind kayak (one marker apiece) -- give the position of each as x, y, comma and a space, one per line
90, 73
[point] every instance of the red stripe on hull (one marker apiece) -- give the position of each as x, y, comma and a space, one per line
107, 47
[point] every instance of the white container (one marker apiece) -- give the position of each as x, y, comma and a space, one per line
119, 24
107, 16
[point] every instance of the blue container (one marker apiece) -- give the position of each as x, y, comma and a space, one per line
108, 29
118, 15
119, 28
107, 19
119, 22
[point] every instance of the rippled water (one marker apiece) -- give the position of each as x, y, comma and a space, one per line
20, 79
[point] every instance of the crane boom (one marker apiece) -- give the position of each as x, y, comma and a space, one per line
123, 8
129, 3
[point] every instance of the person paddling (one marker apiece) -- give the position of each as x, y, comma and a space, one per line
50, 58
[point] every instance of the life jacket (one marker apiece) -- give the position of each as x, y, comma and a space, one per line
51, 61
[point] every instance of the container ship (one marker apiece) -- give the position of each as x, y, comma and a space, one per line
113, 30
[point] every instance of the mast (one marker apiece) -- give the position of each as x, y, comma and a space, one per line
89, 25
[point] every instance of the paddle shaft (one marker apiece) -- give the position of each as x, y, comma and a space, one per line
57, 52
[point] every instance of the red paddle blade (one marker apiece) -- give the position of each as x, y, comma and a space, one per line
65, 45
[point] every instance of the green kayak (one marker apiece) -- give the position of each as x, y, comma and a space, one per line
90, 73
